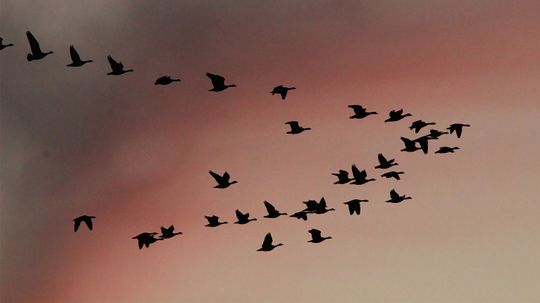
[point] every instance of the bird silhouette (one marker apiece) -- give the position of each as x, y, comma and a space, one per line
423, 142
419, 124
311, 206
410, 145
223, 181
343, 177
165, 80
281, 90
272, 211
316, 236
396, 198
213, 221
300, 215
2, 45
435, 134
117, 67
36, 53
458, 128
392, 174
354, 206
167, 233
384, 164
360, 177
243, 218
75, 59
218, 83
267, 243
446, 149
296, 128
145, 239
322, 208
86, 219
360, 112
396, 115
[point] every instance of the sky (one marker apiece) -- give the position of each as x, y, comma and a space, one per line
75, 141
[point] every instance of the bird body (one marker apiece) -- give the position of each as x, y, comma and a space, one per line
223, 181
410, 145
282, 91
396, 115
392, 174
384, 163
243, 218
446, 149
295, 128
167, 233
435, 134
272, 211
213, 221
218, 83
145, 239
35, 50
419, 124
343, 177
165, 80
75, 59
84, 218
316, 236
360, 177
354, 206
360, 112
117, 67
396, 198
458, 128
300, 215
267, 244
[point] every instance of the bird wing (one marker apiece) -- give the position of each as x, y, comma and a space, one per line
216, 176
115, 65
399, 112
322, 203
382, 159
293, 124
315, 233
239, 215
394, 195
269, 207
74, 55
34, 44
283, 94
77, 224
408, 142
88, 222
226, 176
267, 240
356, 173
217, 80
458, 131
164, 230
424, 144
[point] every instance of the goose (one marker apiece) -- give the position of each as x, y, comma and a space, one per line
116, 67
419, 124
311, 206
165, 80
218, 83
343, 177
243, 218
282, 91
396, 198
410, 145
36, 53
86, 219
272, 211
396, 115
267, 243
296, 128
458, 128
360, 112
2, 45
145, 239
300, 215
75, 59
446, 149
213, 221
360, 176
354, 206
322, 208
316, 236
435, 134
167, 233
392, 174
223, 181
383, 163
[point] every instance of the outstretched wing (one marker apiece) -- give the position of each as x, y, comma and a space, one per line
77, 224
315, 233
408, 142
293, 124
88, 222
226, 176
382, 159
217, 80
458, 131
216, 176
74, 55
356, 173
239, 215
115, 65
267, 240
34, 44
269, 207
394, 195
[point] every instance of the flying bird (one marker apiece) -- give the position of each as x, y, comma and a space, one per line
354, 206
75, 59
446, 149
218, 83
117, 67
223, 181
410, 145
396, 115
300, 215
360, 112
267, 243
86, 219
392, 174
281, 90
296, 128
2, 45
435, 134
316, 236
458, 128
167, 233
213, 221
36, 53
145, 239
396, 198
384, 163
360, 177
243, 218
165, 80
343, 177
423, 142
322, 208
419, 124
272, 211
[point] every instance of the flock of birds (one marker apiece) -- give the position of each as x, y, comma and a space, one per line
359, 177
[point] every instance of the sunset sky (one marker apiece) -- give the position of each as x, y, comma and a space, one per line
76, 141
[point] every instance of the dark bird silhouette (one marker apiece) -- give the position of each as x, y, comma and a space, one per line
281, 90
392, 174
423, 142
117, 67
218, 83
300, 215
360, 112
272, 211
296, 128
396, 198
145, 239
435, 134
384, 164
75, 59
213, 221
322, 208
343, 177
86, 219
360, 177
167, 233
396, 115
446, 149
419, 124
267, 243
35, 50
354, 206
311, 206
410, 145
223, 181
243, 218
316, 236
165, 80
2, 45
458, 128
